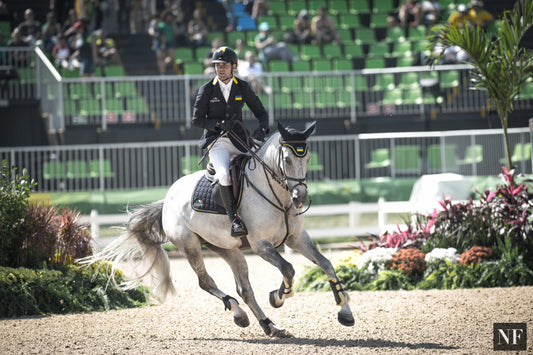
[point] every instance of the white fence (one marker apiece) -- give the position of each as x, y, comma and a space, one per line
354, 210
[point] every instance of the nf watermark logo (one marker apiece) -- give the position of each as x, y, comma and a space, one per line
510, 336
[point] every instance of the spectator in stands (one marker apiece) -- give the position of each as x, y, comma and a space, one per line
410, 13
197, 30
268, 47
477, 15
209, 69
49, 32
105, 50
252, 70
163, 33
323, 28
301, 33
85, 50
18, 58
430, 12
68, 27
182, 37
61, 53
459, 18
259, 8
5, 14
30, 29
137, 13
240, 48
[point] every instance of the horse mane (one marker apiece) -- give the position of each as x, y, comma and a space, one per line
272, 140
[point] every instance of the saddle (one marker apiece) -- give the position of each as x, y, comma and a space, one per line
206, 194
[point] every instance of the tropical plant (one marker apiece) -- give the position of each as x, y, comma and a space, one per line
500, 66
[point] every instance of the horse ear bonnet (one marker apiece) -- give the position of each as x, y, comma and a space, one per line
295, 140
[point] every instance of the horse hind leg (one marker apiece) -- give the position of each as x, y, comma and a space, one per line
195, 259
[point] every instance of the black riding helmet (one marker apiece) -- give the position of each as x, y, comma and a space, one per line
225, 55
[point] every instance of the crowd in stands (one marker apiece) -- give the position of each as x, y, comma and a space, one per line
78, 39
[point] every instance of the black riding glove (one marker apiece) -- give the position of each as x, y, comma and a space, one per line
226, 125
260, 134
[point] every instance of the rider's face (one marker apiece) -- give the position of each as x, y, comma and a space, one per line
224, 71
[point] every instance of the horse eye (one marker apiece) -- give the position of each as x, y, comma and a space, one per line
287, 160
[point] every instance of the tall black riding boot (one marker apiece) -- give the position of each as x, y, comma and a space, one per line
238, 229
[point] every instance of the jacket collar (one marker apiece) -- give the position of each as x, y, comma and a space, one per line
215, 80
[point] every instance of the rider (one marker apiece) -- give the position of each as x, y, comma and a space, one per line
218, 110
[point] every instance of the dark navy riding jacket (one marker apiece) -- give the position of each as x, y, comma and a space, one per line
210, 108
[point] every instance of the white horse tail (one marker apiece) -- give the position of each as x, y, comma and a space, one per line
138, 251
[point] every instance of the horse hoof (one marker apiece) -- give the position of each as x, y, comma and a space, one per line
273, 300
242, 321
280, 333
346, 319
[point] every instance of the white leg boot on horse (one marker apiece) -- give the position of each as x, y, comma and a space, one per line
238, 229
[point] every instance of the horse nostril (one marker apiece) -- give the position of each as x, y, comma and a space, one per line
299, 196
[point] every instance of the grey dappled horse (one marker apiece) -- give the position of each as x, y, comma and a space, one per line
272, 198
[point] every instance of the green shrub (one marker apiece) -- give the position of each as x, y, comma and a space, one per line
14, 192
70, 289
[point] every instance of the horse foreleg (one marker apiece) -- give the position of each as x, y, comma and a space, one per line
196, 261
267, 251
238, 265
305, 246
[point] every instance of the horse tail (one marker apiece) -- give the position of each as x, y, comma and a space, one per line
139, 249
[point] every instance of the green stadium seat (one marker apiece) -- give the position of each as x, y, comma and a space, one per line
473, 155
26, 75
401, 49
295, 6
114, 70
303, 100
379, 21
359, 6
349, 21
137, 105
193, 68
310, 51
278, 8
521, 152
301, 65
342, 64
80, 91
70, 107
353, 51
77, 169
125, 89
283, 101
429, 98
359, 83
313, 6
375, 63
337, 7
95, 171
321, 65
416, 33
232, 36
365, 35
345, 99
271, 20
404, 62
332, 51
325, 99
278, 65
406, 158
392, 97
314, 162
449, 79
409, 81
313, 83
384, 82
527, 91
412, 96
346, 35
53, 170
114, 105
211, 35
91, 107
435, 157
383, 6
286, 22
5, 27
379, 158
378, 49
334, 83
108, 90
290, 84
184, 54
66, 73
395, 34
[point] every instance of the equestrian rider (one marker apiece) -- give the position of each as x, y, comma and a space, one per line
217, 109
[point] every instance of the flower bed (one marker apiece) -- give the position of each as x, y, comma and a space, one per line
481, 243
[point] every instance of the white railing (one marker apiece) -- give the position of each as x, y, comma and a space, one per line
334, 158
354, 210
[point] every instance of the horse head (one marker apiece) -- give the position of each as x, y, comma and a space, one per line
293, 160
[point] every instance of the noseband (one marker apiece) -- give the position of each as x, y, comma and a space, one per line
299, 148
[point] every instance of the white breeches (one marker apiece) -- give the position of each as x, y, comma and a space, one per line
219, 154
